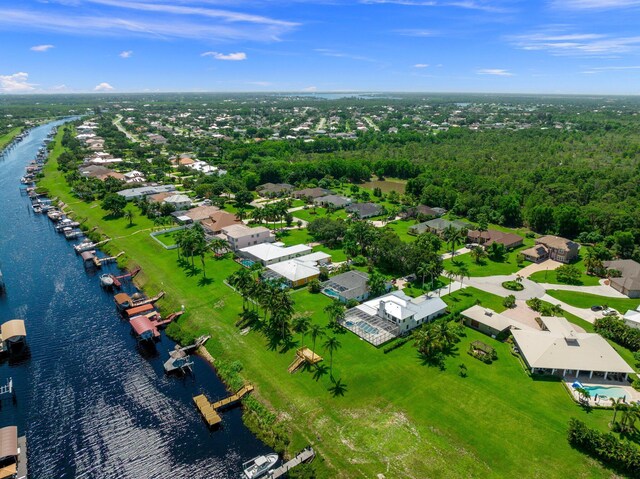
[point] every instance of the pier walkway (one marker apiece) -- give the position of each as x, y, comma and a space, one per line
306, 455
210, 410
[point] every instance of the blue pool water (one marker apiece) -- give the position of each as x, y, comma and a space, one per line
330, 292
610, 392
367, 328
247, 263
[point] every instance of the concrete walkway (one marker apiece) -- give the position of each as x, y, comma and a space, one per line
457, 252
493, 285
602, 290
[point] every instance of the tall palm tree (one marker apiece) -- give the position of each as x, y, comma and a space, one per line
301, 325
335, 311
423, 270
478, 253
454, 237
315, 332
462, 272
451, 275
332, 345
129, 214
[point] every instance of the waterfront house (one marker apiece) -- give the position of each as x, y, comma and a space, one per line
332, 201
140, 192
298, 271
381, 319
241, 236
628, 283
563, 350
270, 253
364, 210
352, 285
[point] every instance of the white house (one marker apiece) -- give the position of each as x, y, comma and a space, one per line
241, 236
299, 271
270, 253
179, 201
564, 350
134, 176
632, 318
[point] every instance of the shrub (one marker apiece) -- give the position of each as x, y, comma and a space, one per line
396, 344
314, 286
509, 301
568, 274
512, 286
621, 455
613, 328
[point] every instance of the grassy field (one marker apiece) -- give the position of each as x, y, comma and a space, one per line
398, 416
585, 300
486, 267
168, 239
308, 215
550, 276
7, 137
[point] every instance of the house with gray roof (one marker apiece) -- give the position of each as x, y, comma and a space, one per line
364, 210
347, 286
274, 189
437, 226
133, 193
628, 283
311, 193
333, 201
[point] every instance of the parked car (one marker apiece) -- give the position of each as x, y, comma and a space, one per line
596, 308
609, 312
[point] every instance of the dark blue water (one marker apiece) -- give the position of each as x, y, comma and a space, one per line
90, 401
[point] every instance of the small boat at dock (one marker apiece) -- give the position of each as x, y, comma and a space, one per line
179, 359
106, 281
73, 234
124, 301
84, 246
259, 466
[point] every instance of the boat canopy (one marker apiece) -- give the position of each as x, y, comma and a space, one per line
87, 255
8, 442
122, 299
141, 325
13, 330
145, 308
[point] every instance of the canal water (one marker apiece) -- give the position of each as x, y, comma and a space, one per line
90, 401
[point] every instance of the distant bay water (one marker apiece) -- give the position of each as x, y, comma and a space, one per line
92, 403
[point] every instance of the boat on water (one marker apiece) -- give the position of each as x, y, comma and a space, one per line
106, 281
259, 466
84, 246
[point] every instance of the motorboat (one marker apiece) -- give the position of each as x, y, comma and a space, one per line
106, 281
259, 466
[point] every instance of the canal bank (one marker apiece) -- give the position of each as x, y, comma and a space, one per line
91, 402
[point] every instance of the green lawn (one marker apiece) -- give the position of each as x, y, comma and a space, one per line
585, 300
550, 276
308, 215
168, 239
7, 137
487, 267
398, 416
401, 227
467, 297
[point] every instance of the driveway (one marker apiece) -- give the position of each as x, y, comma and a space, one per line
548, 265
493, 285
456, 253
602, 290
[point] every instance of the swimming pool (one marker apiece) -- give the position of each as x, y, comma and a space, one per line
610, 392
330, 292
247, 263
367, 328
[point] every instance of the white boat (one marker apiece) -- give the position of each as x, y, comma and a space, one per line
259, 466
84, 246
106, 281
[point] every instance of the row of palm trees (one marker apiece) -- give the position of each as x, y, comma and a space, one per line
191, 243
302, 325
271, 212
629, 414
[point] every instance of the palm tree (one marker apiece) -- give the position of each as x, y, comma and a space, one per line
478, 253
615, 402
129, 214
463, 272
451, 275
301, 325
423, 269
315, 332
454, 237
331, 344
335, 311
217, 245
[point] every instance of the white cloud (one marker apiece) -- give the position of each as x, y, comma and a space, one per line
494, 71
421, 65
594, 4
126, 54
310, 89
234, 57
259, 83
576, 44
416, 32
104, 86
483, 5
170, 22
41, 48
16, 83
595, 70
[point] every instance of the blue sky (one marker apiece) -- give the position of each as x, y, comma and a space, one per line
512, 46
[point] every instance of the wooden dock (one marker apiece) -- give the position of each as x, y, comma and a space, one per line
100, 261
303, 355
306, 455
209, 410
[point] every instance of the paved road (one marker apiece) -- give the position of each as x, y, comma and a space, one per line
493, 284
